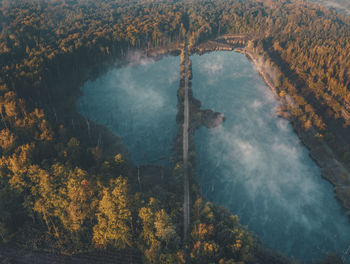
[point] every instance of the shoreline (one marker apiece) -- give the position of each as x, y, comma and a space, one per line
109, 140
331, 168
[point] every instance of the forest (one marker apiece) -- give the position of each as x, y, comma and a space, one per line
62, 190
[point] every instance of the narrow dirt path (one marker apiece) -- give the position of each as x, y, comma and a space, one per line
185, 151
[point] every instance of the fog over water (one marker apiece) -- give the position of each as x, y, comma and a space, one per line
255, 165
138, 103
340, 5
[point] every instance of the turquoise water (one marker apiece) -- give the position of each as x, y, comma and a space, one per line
255, 165
138, 103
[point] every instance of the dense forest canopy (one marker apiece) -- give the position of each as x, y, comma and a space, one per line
60, 190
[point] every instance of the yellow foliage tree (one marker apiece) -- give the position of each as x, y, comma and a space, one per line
114, 221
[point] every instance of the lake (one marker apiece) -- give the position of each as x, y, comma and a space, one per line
254, 164
138, 103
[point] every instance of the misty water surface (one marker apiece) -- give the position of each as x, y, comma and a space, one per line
138, 103
340, 5
256, 166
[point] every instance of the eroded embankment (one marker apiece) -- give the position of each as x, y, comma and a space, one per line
332, 169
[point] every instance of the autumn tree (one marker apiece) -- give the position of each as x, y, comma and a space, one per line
114, 221
160, 240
